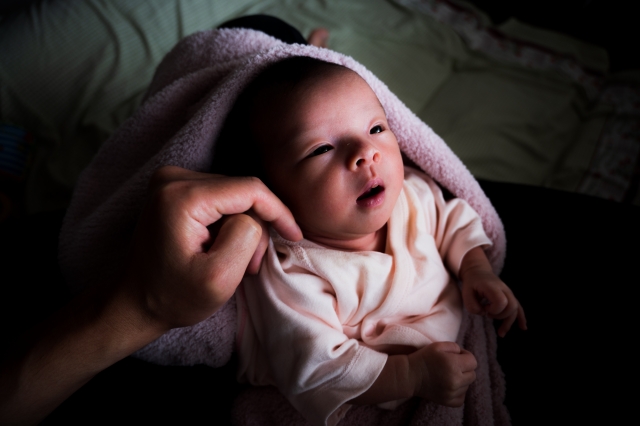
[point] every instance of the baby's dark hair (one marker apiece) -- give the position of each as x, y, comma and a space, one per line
237, 152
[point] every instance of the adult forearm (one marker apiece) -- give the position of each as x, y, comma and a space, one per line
95, 330
177, 276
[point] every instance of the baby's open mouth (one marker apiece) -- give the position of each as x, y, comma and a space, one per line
371, 192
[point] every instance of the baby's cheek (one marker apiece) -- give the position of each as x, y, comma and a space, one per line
304, 206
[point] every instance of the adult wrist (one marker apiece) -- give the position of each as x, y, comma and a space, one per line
124, 312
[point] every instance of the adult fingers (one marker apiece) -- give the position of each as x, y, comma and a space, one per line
256, 260
166, 174
208, 197
228, 258
251, 193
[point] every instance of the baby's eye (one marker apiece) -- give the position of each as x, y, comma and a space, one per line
321, 150
375, 129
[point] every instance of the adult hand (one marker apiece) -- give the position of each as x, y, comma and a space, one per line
182, 273
177, 274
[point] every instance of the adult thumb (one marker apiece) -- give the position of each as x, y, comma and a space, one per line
231, 252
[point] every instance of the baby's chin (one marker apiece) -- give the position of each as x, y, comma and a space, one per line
360, 239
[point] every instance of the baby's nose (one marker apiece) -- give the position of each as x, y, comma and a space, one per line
363, 154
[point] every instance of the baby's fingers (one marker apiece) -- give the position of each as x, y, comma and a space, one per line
457, 394
482, 299
467, 378
471, 302
468, 362
506, 324
497, 303
522, 320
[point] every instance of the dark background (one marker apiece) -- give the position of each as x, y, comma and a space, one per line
611, 24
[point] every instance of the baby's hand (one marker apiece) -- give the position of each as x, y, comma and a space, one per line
444, 372
483, 293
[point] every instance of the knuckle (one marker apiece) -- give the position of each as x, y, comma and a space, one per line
160, 174
502, 302
167, 193
254, 181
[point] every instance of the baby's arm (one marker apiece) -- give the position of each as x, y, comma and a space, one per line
440, 372
483, 293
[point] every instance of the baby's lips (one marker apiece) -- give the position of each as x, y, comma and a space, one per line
371, 188
372, 196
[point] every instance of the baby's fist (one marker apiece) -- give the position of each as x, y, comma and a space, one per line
483, 293
445, 372
486, 294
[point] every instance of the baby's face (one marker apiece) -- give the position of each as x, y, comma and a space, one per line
331, 157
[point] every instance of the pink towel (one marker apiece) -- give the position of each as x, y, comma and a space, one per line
192, 91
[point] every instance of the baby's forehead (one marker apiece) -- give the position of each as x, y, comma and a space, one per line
334, 81
280, 106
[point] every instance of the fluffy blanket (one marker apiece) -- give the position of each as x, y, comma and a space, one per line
192, 92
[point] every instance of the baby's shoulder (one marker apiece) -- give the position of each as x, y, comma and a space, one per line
425, 187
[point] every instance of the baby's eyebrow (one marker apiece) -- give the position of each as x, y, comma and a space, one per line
380, 105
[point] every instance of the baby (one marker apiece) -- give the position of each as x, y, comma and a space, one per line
366, 309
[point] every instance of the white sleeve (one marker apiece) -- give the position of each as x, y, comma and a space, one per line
309, 358
454, 225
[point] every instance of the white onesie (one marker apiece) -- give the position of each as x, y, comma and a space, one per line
318, 323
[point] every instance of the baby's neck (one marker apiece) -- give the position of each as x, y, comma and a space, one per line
376, 241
